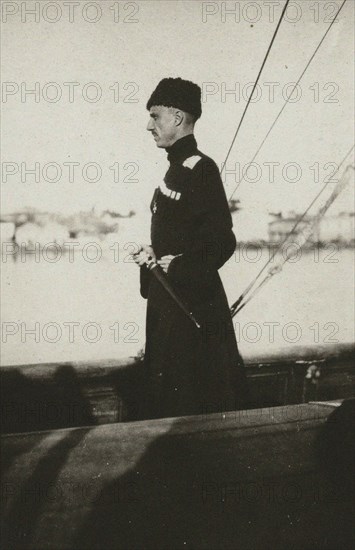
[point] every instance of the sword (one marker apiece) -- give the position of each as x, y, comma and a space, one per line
159, 274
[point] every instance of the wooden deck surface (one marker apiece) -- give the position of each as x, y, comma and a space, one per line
252, 480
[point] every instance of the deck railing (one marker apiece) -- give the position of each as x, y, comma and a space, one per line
60, 395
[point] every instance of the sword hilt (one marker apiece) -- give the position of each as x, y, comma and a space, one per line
151, 264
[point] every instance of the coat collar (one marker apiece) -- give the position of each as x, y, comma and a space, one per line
182, 149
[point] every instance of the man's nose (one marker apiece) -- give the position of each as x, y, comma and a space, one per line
150, 125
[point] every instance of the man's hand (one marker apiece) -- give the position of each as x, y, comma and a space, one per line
164, 262
145, 253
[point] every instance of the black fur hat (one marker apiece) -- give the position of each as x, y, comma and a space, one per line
178, 93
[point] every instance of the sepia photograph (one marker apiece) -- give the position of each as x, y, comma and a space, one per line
177, 230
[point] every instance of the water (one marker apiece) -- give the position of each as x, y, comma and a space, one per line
89, 311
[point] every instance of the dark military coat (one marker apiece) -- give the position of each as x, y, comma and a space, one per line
190, 370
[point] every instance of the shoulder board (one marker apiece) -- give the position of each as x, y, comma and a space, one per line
191, 161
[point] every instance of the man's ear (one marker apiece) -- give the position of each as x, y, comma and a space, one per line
179, 117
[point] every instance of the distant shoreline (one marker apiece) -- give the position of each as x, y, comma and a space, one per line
70, 246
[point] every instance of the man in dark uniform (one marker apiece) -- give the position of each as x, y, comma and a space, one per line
188, 370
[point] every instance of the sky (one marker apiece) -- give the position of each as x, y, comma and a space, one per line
111, 66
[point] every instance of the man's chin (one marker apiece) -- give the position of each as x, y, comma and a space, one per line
159, 144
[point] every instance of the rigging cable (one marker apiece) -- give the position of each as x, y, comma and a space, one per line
302, 237
234, 307
290, 95
255, 84
238, 305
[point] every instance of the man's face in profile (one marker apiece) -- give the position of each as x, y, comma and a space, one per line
162, 125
